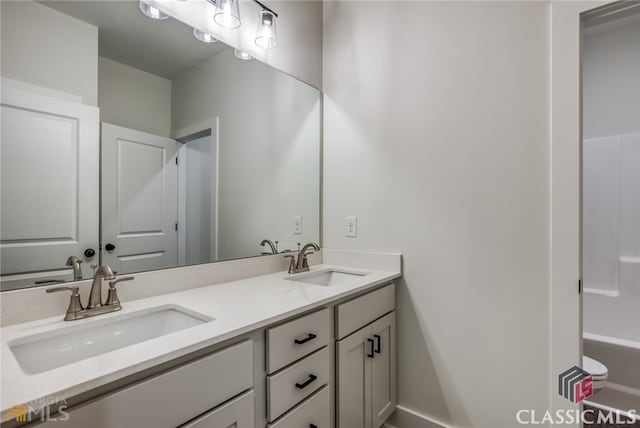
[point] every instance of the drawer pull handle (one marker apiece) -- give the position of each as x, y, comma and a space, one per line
303, 385
313, 426
377, 343
311, 336
370, 354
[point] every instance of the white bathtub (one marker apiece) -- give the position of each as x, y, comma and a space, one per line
622, 358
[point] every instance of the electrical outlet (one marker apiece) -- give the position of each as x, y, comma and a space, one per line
351, 226
297, 225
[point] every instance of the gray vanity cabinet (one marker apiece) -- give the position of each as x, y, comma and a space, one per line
366, 365
201, 394
334, 366
238, 413
299, 371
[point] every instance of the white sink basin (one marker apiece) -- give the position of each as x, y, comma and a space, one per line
327, 277
39, 353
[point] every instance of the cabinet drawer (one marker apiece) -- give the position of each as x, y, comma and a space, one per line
295, 383
172, 398
356, 313
289, 342
237, 413
316, 410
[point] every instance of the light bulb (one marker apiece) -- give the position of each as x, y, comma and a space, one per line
203, 37
227, 13
242, 55
266, 36
152, 11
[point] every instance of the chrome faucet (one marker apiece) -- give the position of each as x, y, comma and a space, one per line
301, 264
95, 297
274, 247
75, 311
74, 262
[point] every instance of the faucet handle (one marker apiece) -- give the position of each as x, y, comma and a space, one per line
74, 290
75, 306
117, 280
292, 262
112, 297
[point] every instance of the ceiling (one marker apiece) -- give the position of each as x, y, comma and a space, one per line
165, 48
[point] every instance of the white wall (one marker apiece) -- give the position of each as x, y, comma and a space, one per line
611, 178
134, 98
611, 78
436, 135
269, 149
299, 28
43, 47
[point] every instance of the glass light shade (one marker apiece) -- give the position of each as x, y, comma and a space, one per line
242, 55
152, 11
266, 36
227, 13
203, 37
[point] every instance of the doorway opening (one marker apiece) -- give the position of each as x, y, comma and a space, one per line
610, 181
198, 198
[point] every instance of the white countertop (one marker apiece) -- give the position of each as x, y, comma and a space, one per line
238, 307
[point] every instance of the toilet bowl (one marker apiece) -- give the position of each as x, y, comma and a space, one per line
598, 372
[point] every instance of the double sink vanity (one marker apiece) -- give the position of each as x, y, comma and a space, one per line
314, 349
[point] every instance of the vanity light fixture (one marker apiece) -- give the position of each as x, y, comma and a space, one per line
242, 55
152, 11
227, 13
266, 36
203, 36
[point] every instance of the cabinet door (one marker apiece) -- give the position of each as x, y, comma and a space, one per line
353, 379
383, 369
238, 413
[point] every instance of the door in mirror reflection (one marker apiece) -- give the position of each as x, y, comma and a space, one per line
139, 200
49, 194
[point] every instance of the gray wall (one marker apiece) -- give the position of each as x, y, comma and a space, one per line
64, 60
436, 135
269, 149
133, 98
197, 160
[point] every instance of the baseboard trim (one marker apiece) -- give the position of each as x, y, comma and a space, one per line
407, 418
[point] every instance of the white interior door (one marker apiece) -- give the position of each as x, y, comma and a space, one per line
139, 200
49, 186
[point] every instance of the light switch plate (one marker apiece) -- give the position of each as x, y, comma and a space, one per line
351, 226
297, 225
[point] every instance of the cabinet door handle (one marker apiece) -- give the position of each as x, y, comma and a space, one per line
313, 426
370, 354
311, 336
377, 343
303, 385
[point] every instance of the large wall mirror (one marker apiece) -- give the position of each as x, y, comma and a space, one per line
127, 141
